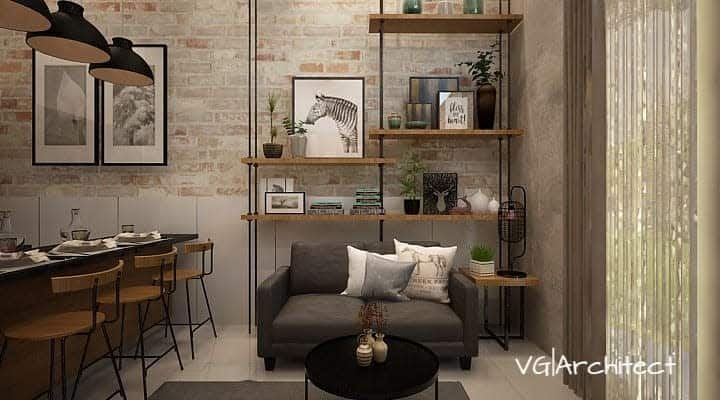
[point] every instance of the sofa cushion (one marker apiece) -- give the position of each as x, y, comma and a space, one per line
319, 267
314, 318
424, 321
389, 247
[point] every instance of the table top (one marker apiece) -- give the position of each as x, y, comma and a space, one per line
410, 368
18, 271
494, 280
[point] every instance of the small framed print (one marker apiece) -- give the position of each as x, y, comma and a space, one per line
456, 110
134, 127
440, 192
285, 203
64, 112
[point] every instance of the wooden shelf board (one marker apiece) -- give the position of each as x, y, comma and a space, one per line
419, 134
371, 218
494, 280
432, 23
318, 161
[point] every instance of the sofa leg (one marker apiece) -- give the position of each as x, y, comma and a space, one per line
269, 363
465, 363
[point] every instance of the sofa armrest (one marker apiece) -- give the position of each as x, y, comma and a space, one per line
465, 302
272, 295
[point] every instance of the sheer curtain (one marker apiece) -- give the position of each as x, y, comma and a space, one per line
648, 187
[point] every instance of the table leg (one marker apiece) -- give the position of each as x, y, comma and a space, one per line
437, 388
306, 387
506, 319
485, 305
522, 312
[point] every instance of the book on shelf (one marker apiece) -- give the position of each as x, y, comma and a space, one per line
329, 211
367, 211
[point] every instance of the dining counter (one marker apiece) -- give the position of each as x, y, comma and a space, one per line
25, 293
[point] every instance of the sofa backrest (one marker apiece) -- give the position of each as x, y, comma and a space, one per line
323, 267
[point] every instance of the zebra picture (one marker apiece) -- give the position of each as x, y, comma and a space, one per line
333, 112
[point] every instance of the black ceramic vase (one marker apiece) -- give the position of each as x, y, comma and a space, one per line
412, 207
272, 150
485, 104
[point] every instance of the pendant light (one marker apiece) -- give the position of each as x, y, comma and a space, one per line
24, 15
125, 67
71, 37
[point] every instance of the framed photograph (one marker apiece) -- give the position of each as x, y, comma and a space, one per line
277, 185
440, 192
333, 109
65, 112
285, 203
456, 110
134, 128
426, 89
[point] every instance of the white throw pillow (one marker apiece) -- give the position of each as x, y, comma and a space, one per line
431, 276
356, 269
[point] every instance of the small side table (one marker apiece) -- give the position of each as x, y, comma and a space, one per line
503, 285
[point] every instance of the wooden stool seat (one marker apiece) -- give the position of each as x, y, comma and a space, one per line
54, 326
130, 295
182, 274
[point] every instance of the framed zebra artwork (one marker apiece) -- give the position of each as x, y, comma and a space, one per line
333, 109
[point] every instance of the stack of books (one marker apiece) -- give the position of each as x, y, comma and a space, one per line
331, 207
367, 202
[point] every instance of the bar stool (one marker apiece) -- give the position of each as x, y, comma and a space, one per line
188, 274
144, 294
61, 326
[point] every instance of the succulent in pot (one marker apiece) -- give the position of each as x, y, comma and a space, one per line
296, 135
411, 170
272, 149
485, 79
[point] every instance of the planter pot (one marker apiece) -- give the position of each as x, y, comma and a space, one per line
412, 207
298, 145
482, 267
412, 7
473, 6
272, 150
486, 98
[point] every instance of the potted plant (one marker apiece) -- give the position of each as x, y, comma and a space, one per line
296, 134
272, 149
411, 170
485, 78
483, 260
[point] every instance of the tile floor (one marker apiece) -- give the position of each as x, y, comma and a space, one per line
232, 357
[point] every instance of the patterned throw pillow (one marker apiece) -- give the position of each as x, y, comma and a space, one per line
386, 279
430, 278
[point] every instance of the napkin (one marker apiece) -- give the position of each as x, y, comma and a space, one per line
129, 236
37, 256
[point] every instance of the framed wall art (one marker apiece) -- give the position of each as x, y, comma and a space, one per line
456, 110
65, 112
333, 109
134, 127
440, 192
285, 203
426, 89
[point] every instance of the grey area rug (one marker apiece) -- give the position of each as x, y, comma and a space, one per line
250, 390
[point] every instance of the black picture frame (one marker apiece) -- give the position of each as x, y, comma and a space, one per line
302, 195
453, 85
433, 181
362, 132
102, 86
96, 108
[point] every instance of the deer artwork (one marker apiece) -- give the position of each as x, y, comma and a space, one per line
441, 196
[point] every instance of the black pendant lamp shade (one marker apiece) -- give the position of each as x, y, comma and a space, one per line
71, 37
24, 15
125, 67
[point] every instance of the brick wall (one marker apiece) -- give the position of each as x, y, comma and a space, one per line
207, 120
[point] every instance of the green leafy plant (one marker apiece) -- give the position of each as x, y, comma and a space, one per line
481, 70
411, 167
296, 128
272, 106
483, 254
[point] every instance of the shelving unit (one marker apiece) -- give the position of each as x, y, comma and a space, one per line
429, 23
370, 218
444, 134
317, 161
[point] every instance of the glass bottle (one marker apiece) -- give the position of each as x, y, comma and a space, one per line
473, 7
76, 230
10, 241
412, 7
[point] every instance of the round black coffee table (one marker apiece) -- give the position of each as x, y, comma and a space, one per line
410, 368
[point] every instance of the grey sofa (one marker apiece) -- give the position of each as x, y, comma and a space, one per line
299, 307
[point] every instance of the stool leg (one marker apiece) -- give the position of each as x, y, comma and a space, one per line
144, 318
52, 368
189, 312
122, 336
112, 359
63, 369
172, 333
207, 303
142, 350
82, 366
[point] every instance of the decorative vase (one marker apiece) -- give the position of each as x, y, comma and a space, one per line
493, 205
445, 8
272, 150
380, 349
412, 207
412, 7
367, 337
10, 241
486, 99
473, 7
394, 121
298, 145
76, 230
364, 354
479, 201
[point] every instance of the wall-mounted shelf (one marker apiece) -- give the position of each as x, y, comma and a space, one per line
445, 134
371, 218
317, 161
432, 23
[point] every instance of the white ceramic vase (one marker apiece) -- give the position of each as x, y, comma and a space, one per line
380, 349
479, 201
364, 355
493, 205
